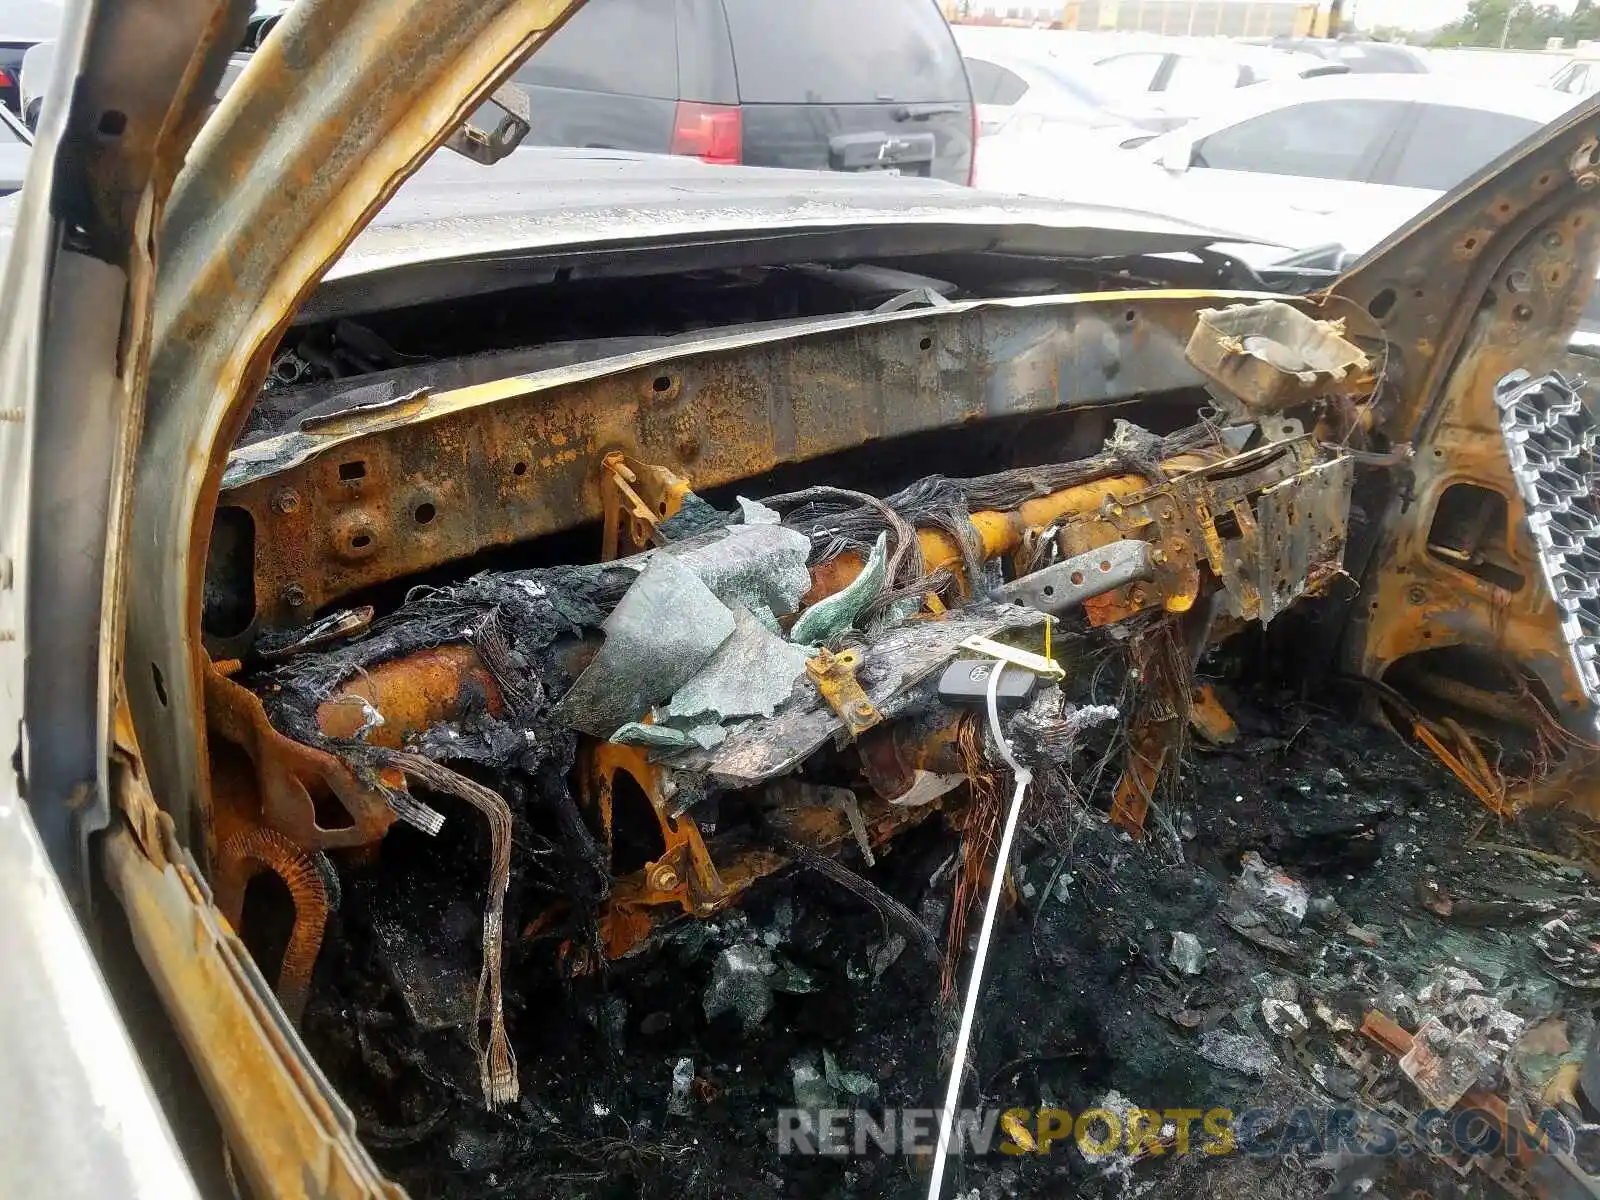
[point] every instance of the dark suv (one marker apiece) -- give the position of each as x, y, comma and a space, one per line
841, 85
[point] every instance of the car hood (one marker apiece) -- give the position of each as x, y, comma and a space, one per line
1097, 171
552, 198
547, 198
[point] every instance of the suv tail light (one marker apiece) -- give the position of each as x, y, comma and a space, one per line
713, 133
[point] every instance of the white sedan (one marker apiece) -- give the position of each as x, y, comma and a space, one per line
1342, 159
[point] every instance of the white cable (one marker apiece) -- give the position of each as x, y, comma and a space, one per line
958, 1067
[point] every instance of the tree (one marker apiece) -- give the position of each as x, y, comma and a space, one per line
1516, 24
1585, 23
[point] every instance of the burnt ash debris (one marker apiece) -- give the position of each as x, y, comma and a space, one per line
1225, 959
1084, 1000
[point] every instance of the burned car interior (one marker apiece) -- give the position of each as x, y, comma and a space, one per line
627, 686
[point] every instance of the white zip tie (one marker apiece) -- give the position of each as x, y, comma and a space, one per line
958, 1067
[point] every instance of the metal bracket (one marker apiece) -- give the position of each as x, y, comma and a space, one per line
1062, 587
635, 497
489, 148
835, 677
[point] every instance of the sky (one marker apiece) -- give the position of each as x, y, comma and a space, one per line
1408, 14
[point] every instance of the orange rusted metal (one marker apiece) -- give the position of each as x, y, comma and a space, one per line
1159, 660
238, 860
242, 848
635, 497
412, 694
289, 775
683, 875
345, 100
1493, 282
1001, 533
1149, 747
1396, 1040
891, 757
835, 677
290, 1134
510, 461
685, 879
1210, 718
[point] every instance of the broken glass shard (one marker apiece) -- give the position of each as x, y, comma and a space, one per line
665, 628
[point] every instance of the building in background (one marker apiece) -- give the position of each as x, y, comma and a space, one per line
1182, 18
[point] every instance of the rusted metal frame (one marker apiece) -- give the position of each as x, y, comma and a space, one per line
1421, 602
1154, 740
1514, 1124
1001, 533
243, 848
287, 1129
1504, 272
720, 411
288, 773
344, 100
1179, 517
1210, 718
686, 880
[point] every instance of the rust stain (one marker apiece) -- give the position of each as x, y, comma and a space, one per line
511, 461
412, 694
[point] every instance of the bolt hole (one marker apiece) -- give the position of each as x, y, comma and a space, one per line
1438, 453
926, 343
1105, 564
1517, 281
663, 383
360, 541
662, 508
1419, 294
1544, 181
1470, 244
425, 512
1049, 590
1077, 577
161, 684
1381, 305
352, 470
1131, 316
520, 469
1522, 312
112, 124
